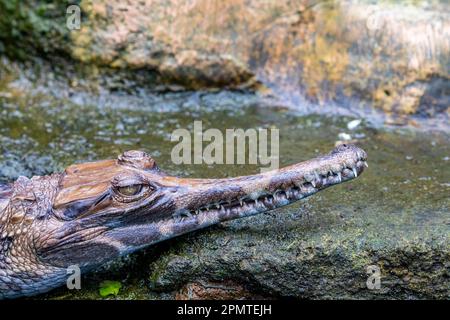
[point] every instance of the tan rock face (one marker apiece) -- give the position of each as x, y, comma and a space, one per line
158, 35
390, 56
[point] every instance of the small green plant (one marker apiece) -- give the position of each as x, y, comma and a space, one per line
108, 288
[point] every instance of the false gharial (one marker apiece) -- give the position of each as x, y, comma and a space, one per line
94, 212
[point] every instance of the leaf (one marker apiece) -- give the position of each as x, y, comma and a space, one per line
108, 288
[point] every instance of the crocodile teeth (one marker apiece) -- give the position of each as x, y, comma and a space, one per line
298, 190
316, 175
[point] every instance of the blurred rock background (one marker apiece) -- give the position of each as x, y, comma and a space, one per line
389, 55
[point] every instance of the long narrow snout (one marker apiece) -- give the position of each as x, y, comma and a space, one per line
206, 202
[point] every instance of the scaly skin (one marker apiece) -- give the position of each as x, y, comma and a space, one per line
95, 212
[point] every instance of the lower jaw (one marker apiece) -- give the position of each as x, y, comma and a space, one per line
208, 218
278, 200
270, 202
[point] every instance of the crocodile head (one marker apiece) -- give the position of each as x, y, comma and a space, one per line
95, 212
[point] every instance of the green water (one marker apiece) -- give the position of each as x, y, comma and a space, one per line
40, 136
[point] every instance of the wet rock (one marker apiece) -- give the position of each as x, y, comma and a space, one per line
274, 258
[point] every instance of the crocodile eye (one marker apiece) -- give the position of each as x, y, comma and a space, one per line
129, 188
129, 191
